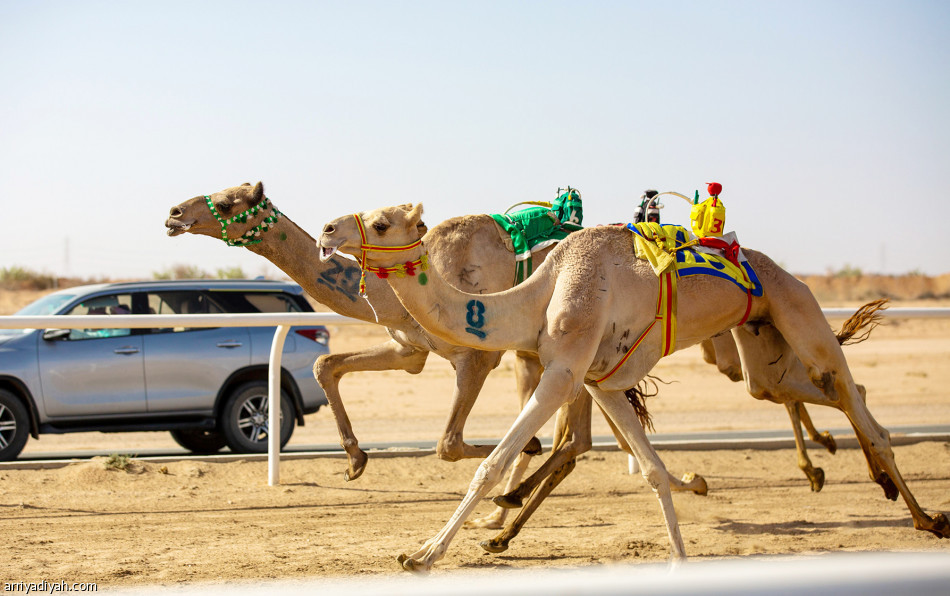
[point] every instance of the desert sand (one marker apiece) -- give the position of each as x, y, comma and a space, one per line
186, 521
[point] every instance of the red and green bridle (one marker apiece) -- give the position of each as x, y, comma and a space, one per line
252, 236
408, 268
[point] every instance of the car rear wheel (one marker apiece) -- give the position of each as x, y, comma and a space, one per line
244, 420
199, 441
14, 425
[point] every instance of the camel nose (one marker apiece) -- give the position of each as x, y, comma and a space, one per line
328, 229
175, 211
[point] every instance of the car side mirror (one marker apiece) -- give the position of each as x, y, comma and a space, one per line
55, 334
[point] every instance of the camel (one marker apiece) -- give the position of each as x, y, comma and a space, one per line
579, 312
481, 264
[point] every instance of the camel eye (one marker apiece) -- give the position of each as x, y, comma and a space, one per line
380, 226
224, 207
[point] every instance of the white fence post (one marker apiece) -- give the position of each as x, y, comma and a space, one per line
273, 406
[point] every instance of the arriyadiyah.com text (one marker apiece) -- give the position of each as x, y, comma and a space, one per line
48, 587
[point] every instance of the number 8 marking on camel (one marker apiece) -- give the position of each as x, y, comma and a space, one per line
475, 317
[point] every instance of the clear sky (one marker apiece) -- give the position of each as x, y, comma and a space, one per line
827, 123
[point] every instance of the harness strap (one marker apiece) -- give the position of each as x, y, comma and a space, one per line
408, 268
748, 309
665, 313
251, 236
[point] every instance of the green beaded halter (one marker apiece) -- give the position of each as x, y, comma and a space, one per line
251, 236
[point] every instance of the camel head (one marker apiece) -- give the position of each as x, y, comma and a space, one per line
236, 215
398, 228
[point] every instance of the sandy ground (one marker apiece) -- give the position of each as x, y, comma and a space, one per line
196, 521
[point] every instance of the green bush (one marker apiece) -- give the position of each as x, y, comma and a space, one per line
18, 278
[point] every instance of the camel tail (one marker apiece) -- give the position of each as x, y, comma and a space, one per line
863, 321
637, 395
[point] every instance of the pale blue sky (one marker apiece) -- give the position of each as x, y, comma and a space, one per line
828, 123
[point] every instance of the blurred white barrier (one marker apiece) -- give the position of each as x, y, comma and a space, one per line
283, 322
840, 574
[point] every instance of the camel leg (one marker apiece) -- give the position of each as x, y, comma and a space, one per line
798, 319
500, 542
690, 482
816, 476
722, 351
527, 376
572, 437
823, 438
471, 370
774, 372
330, 368
725, 356
615, 405
552, 392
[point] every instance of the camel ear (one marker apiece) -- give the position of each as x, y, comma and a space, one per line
415, 214
258, 193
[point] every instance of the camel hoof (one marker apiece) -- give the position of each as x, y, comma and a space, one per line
409, 564
701, 488
357, 466
533, 447
509, 501
940, 529
817, 480
493, 547
829, 442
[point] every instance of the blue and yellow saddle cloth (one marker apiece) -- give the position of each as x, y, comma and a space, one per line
668, 245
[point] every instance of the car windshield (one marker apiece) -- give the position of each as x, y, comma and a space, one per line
47, 305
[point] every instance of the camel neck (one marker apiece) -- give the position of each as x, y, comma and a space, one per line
499, 321
334, 283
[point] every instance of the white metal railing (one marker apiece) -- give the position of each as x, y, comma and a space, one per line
283, 322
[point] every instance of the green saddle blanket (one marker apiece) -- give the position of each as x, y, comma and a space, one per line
535, 228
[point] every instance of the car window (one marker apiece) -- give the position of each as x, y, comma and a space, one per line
178, 302
108, 304
248, 301
47, 305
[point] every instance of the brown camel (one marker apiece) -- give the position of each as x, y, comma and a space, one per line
578, 311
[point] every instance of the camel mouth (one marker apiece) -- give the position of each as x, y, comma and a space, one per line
326, 251
175, 228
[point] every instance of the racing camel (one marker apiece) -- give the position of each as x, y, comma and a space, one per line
579, 313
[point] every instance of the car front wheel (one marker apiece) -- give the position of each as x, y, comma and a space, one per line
199, 441
14, 425
244, 419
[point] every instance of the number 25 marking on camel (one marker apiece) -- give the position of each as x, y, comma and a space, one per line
475, 317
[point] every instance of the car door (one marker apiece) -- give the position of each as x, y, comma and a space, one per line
186, 367
93, 372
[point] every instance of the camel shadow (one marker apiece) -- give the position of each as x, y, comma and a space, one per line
801, 527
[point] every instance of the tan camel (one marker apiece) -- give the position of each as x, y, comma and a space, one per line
479, 260
578, 311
